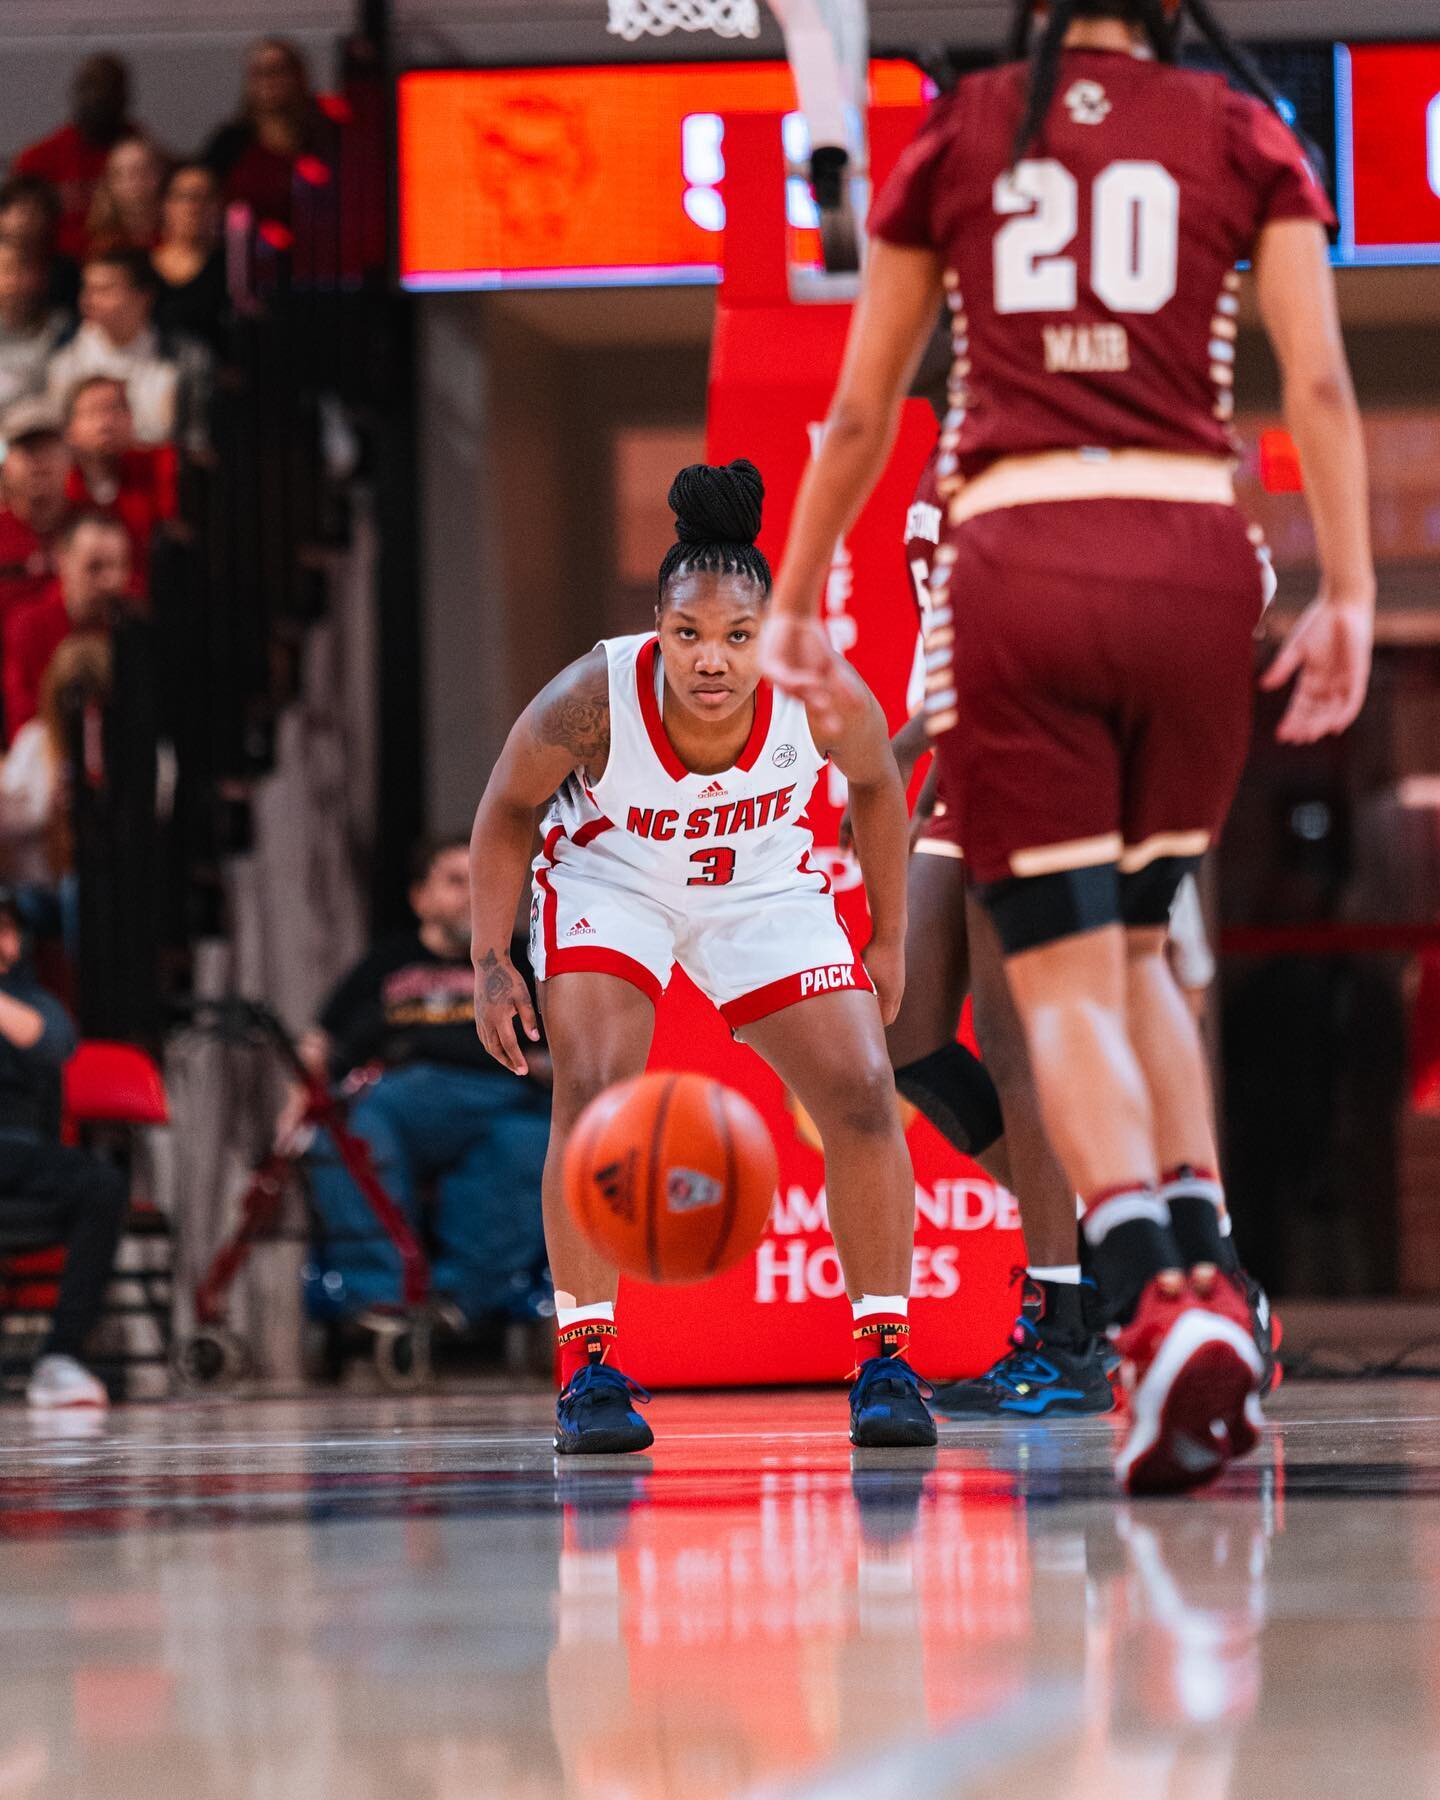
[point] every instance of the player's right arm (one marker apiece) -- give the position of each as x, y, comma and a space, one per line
1329, 649
565, 727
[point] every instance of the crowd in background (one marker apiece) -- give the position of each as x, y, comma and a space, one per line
113, 307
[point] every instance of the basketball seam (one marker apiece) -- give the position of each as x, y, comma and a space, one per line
716, 1097
657, 1147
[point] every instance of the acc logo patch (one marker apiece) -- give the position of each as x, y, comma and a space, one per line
687, 1190
783, 755
1087, 103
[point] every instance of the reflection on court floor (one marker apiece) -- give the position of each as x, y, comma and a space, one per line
412, 1599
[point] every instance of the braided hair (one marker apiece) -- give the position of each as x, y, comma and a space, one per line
717, 520
1161, 30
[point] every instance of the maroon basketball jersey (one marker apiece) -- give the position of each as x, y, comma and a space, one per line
1092, 284
922, 537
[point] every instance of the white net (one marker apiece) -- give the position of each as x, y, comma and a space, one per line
633, 19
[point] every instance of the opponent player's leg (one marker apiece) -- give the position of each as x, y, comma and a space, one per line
599, 1029
941, 1078
830, 1052
1054, 1364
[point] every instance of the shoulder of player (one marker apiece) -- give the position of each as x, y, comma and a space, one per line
572, 712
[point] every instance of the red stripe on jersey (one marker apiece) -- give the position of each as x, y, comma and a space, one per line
650, 712
775, 996
759, 729
590, 830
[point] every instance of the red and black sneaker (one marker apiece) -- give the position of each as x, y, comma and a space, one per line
1192, 1372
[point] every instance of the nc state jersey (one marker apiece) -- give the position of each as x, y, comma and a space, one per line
1092, 286
650, 819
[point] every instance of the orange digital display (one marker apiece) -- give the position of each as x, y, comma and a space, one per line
582, 176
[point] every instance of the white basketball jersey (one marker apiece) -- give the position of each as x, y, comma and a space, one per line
648, 816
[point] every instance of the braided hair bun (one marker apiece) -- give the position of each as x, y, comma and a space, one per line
718, 514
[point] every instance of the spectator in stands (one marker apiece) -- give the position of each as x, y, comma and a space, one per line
30, 324
30, 220
90, 592
280, 124
33, 507
73, 158
111, 473
125, 210
440, 1110
36, 845
188, 259
166, 378
51, 1193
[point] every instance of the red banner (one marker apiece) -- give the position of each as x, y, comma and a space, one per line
781, 1315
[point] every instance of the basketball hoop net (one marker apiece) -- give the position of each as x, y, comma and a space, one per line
633, 19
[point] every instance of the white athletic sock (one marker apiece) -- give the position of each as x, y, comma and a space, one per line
566, 1316
897, 1306
1066, 1274
1120, 1209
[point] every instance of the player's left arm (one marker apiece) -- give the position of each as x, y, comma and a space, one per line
862, 753
893, 321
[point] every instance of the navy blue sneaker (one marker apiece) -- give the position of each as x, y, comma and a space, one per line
1033, 1380
887, 1406
594, 1417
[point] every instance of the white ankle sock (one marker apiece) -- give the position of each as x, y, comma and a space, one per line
1066, 1274
897, 1306
566, 1316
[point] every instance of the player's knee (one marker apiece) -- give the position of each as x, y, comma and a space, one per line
957, 1093
863, 1100
1031, 911
575, 1087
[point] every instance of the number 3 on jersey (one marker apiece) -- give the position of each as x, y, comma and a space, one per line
1134, 237
717, 866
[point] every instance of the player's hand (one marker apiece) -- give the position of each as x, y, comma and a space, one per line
1328, 649
796, 656
501, 997
886, 966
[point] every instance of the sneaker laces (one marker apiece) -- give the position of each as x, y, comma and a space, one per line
601, 1375
876, 1369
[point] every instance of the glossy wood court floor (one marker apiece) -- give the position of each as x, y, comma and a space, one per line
411, 1600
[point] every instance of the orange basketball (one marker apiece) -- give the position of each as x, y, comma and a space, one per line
671, 1176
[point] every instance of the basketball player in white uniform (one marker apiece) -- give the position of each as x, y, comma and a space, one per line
677, 781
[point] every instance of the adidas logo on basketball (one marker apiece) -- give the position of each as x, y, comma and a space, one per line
713, 792
581, 928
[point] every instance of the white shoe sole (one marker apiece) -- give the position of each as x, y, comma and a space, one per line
1195, 1408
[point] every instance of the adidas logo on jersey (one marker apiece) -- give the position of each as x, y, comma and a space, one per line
713, 792
581, 928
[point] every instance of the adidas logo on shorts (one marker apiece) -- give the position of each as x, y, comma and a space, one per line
581, 928
713, 792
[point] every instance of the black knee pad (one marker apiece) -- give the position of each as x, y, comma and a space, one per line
1147, 895
1031, 910
952, 1087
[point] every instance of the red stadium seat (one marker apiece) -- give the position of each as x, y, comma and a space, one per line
114, 1084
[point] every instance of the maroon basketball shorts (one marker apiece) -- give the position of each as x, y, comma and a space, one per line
1102, 668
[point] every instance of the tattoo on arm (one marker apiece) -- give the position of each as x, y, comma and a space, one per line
577, 719
496, 983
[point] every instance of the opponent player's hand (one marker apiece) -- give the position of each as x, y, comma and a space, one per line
796, 656
885, 964
501, 997
1329, 650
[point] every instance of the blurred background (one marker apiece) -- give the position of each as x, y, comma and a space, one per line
381, 338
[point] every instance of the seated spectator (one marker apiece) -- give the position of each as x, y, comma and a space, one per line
189, 259
30, 221
72, 159
30, 325
111, 473
125, 210
90, 592
51, 1193
166, 379
441, 1110
33, 507
36, 845
280, 123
